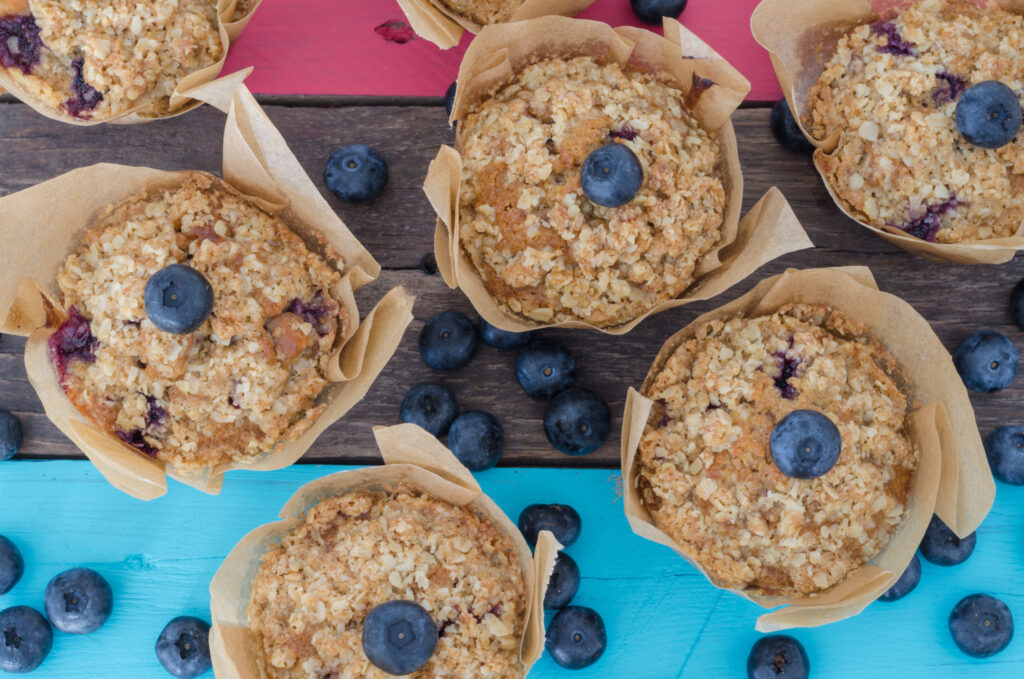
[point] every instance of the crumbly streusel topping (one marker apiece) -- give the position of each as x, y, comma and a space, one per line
542, 248
891, 88
247, 378
484, 12
362, 549
706, 473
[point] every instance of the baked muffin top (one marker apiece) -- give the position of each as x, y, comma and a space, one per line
362, 549
706, 475
891, 89
484, 12
247, 378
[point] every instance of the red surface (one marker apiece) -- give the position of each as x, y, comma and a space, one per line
331, 47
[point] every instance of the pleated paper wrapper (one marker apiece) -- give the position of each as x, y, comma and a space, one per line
952, 479
42, 225
801, 36
412, 457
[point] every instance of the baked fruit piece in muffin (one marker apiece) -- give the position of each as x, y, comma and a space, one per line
365, 548
101, 58
706, 474
247, 378
484, 12
891, 91
542, 248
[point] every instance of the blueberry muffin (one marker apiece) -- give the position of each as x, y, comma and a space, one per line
484, 12
543, 249
96, 59
891, 91
705, 471
247, 378
362, 549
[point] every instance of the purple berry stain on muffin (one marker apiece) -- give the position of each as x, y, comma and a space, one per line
19, 42
926, 226
314, 312
698, 87
787, 368
950, 88
72, 340
156, 414
625, 132
86, 96
136, 440
896, 45
395, 31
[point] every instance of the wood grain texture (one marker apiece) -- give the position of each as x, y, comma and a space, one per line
398, 230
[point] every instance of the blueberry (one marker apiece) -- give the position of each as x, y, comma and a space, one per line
399, 637
942, 547
988, 115
1005, 450
562, 520
12, 566
906, 583
786, 131
576, 637
356, 173
21, 46
477, 439
563, 583
778, 657
448, 341
544, 368
449, 99
652, 11
183, 647
25, 639
431, 406
502, 340
577, 421
78, 601
612, 175
986, 361
178, 299
805, 444
1017, 304
11, 436
981, 625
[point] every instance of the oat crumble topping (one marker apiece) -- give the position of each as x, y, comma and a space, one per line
484, 12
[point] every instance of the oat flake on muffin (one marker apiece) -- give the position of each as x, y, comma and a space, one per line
545, 251
484, 12
706, 475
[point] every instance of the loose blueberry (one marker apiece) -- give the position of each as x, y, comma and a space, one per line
563, 583
576, 637
78, 601
906, 583
428, 264
1017, 304
562, 520
178, 299
183, 647
502, 340
612, 175
25, 639
805, 444
544, 368
11, 436
431, 406
1005, 450
981, 625
577, 421
449, 99
986, 361
988, 115
399, 637
12, 566
778, 657
356, 173
448, 341
652, 11
786, 131
477, 439
942, 547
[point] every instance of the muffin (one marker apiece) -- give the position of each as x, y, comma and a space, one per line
484, 12
443, 22
889, 95
98, 59
355, 551
248, 377
705, 474
543, 250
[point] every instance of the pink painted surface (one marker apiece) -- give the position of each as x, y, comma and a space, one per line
331, 47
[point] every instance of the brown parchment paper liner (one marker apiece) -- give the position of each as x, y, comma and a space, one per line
41, 225
801, 36
411, 456
183, 99
769, 230
433, 20
952, 480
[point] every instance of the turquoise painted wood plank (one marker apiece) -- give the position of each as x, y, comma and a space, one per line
664, 621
